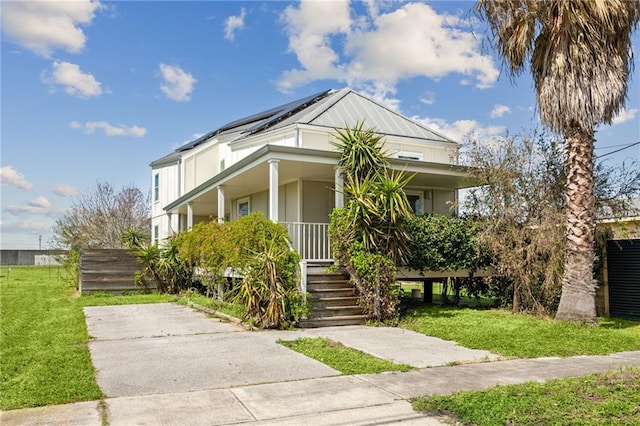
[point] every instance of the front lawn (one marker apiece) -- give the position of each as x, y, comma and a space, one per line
522, 336
43, 346
611, 398
342, 358
44, 341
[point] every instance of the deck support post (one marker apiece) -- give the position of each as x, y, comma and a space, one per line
427, 291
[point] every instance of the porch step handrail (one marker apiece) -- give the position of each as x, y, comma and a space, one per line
311, 240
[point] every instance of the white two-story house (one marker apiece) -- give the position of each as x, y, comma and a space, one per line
282, 162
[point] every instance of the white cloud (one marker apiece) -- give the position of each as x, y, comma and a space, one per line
75, 82
65, 190
428, 98
9, 176
309, 28
499, 111
39, 206
178, 84
40, 202
22, 226
234, 23
109, 130
461, 130
624, 115
43, 26
382, 48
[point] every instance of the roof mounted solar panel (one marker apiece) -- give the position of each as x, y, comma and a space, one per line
288, 109
262, 119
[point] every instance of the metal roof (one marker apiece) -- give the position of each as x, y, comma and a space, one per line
346, 108
329, 108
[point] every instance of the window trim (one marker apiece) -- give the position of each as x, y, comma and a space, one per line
240, 202
156, 187
421, 199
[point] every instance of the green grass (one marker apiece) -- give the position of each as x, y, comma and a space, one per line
43, 345
519, 335
106, 299
342, 358
44, 341
231, 309
611, 398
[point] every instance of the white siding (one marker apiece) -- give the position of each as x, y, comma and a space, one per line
443, 201
430, 152
315, 140
200, 166
169, 191
317, 201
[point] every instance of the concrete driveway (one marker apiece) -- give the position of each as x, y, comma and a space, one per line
168, 348
153, 359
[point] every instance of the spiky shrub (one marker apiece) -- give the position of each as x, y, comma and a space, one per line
368, 235
164, 266
269, 267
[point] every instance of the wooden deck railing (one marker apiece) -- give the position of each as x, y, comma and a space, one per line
311, 240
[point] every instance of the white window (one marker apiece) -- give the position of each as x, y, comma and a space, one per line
156, 234
409, 155
244, 207
156, 187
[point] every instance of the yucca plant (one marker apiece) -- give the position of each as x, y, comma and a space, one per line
361, 152
268, 285
372, 219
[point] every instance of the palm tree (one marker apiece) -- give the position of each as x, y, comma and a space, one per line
580, 56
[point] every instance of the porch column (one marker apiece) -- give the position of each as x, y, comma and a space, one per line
273, 190
170, 228
220, 204
189, 216
339, 182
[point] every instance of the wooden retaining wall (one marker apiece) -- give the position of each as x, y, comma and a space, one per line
112, 271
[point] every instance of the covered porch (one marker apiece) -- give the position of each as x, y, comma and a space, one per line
298, 187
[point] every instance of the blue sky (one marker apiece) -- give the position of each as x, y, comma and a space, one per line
97, 90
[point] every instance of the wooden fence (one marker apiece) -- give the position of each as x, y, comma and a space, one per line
112, 271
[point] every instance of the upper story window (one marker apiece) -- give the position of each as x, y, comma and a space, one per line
409, 155
156, 187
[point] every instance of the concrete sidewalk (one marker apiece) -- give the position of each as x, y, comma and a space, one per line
167, 364
340, 400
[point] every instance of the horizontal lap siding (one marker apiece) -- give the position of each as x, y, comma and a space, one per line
623, 264
112, 271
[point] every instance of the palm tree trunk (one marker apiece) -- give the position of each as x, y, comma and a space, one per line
577, 302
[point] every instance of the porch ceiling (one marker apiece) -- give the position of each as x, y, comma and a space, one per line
256, 180
251, 176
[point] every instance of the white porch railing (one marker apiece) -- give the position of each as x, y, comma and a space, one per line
311, 240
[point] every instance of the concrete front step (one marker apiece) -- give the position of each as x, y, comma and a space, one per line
333, 321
